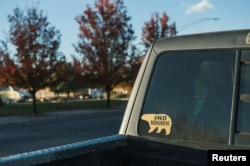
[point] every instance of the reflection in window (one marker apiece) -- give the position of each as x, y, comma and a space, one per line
195, 90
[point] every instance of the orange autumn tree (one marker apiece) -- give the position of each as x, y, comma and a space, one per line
36, 59
157, 27
104, 41
7, 67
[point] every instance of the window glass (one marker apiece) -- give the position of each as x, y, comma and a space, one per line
189, 96
243, 122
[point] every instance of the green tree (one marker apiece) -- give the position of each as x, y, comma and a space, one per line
36, 42
66, 78
104, 41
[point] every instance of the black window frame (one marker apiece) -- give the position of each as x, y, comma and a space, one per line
241, 138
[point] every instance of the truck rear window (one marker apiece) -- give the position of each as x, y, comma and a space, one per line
189, 96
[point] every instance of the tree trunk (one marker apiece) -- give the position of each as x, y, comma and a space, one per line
108, 90
68, 92
108, 99
34, 101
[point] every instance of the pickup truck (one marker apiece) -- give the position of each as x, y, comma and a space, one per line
191, 97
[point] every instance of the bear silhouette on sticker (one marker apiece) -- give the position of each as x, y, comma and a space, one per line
158, 122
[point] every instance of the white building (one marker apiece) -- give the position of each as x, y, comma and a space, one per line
9, 95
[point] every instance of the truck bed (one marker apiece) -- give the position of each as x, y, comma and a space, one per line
115, 150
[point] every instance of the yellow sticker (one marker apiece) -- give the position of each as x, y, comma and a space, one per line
159, 121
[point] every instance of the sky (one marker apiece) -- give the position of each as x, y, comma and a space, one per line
190, 16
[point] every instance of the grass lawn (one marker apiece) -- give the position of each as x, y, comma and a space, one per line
42, 107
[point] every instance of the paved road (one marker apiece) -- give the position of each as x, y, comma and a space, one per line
45, 133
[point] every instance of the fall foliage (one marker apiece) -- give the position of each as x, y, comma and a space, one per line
36, 42
7, 67
157, 27
104, 41
107, 54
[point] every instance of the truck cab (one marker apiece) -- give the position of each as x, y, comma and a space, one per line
191, 97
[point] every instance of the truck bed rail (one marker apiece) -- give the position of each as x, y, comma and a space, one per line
64, 152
